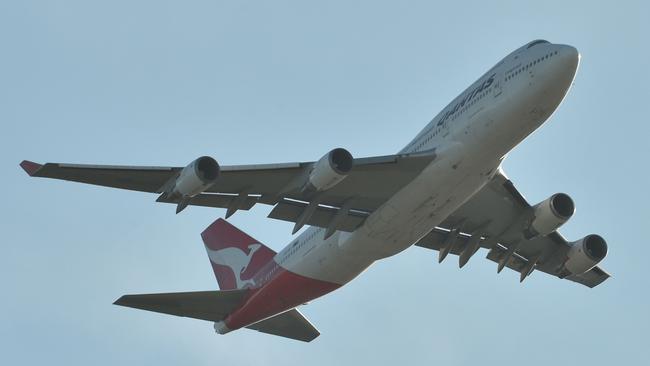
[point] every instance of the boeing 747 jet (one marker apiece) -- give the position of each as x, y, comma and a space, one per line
444, 191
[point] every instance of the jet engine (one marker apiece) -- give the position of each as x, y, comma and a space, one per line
585, 254
330, 170
550, 214
195, 178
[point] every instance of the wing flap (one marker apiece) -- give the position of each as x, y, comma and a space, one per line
591, 278
291, 324
214, 200
518, 261
204, 305
322, 217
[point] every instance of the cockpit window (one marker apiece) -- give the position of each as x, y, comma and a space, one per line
536, 42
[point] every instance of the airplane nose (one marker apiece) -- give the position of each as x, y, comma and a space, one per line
562, 68
568, 59
557, 76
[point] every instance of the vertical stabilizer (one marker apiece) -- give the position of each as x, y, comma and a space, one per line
234, 255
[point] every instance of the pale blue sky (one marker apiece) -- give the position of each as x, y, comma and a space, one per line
160, 83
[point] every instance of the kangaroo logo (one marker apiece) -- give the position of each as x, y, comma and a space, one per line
235, 259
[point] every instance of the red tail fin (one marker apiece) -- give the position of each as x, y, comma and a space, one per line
235, 256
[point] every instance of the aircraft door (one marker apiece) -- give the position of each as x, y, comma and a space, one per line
497, 88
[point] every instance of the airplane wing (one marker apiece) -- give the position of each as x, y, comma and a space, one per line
495, 219
240, 187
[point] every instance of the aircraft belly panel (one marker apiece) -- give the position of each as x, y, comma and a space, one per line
396, 226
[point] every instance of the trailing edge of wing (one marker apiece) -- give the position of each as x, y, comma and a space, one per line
291, 211
378, 177
517, 261
135, 178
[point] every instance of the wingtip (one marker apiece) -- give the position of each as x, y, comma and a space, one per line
121, 301
30, 167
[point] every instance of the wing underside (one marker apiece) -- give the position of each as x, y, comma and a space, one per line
491, 219
439, 239
370, 183
494, 219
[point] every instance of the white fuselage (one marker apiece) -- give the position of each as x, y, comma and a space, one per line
470, 137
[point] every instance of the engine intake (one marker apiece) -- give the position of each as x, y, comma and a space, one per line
585, 254
330, 170
195, 178
550, 214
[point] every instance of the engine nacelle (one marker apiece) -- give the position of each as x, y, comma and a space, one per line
550, 214
585, 254
330, 170
195, 178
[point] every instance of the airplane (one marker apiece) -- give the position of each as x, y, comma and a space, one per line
444, 191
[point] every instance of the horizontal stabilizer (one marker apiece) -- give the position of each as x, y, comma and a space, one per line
291, 324
204, 305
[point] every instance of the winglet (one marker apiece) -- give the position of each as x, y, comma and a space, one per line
30, 167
